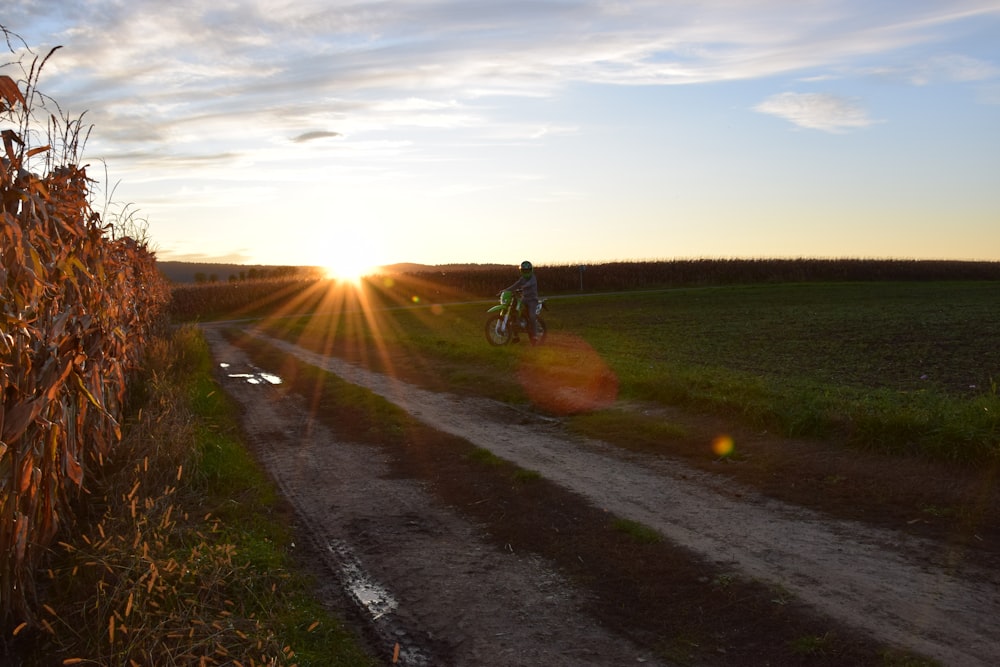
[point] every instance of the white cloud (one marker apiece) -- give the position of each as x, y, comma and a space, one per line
816, 111
258, 61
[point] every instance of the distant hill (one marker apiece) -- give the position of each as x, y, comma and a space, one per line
408, 267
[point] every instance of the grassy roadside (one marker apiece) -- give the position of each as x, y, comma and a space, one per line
181, 554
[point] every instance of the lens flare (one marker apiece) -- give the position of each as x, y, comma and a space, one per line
566, 375
723, 445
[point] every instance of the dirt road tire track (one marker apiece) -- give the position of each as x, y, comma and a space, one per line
904, 591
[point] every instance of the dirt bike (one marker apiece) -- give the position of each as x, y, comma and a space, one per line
510, 317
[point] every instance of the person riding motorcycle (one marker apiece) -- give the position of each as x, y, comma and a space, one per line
528, 284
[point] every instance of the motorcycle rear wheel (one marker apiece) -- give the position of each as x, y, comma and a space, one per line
496, 333
540, 331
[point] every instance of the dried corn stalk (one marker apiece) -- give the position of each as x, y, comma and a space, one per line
76, 310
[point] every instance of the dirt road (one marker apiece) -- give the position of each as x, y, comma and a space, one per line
431, 583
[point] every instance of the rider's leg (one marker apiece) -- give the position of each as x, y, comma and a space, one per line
532, 319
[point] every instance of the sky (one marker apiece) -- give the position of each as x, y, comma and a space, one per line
319, 132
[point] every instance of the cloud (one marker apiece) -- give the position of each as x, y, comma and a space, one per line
187, 78
312, 136
816, 111
236, 257
955, 67
938, 68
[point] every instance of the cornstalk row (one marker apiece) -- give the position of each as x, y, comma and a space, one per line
77, 308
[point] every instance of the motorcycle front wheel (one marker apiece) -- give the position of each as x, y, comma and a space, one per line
496, 332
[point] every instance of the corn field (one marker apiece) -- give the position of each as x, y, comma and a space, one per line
242, 299
79, 302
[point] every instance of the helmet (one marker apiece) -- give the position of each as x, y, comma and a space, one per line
526, 267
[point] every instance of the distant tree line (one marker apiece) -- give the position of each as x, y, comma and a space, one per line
612, 276
263, 273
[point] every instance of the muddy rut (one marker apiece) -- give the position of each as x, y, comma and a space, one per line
466, 603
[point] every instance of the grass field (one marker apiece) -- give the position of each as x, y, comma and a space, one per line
904, 367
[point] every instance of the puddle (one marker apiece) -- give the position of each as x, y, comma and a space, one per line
380, 604
257, 377
365, 590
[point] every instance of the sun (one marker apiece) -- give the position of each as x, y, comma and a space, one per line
351, 261
350, 269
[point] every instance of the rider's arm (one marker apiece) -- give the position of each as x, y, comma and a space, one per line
518, 284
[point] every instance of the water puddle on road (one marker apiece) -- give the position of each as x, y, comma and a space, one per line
380, 604
256, 377
365, 590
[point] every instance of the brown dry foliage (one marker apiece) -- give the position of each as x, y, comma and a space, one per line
77, 308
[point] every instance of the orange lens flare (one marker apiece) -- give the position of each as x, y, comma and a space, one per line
566, 376
723, 445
